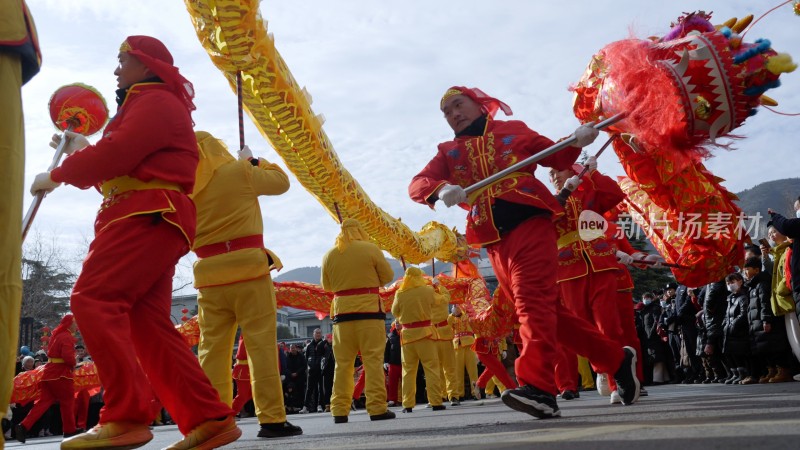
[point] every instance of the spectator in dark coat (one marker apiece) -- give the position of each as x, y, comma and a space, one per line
657, 351
686, 308
735, 329
314, 352
328, 364
769, 344
295, 384
714, 309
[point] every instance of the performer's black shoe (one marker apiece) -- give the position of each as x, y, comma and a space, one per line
385, 416
627, 384
408, 410
438, 407
74, 433
20, 433
569, 395
276, 430
533, 401
339, 419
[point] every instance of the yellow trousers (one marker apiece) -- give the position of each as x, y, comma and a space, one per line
12, 164
251, 304
587, 380
421, 351
494, 382
349, 338
465, 359
447, 372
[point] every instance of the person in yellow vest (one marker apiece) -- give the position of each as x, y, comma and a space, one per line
354, 270
444, 346
463, 338
412, 308
232, 275
20, 60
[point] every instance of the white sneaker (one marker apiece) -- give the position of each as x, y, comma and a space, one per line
320, 409
602, 385
428, 405
615, 398
391, 403
304, 410
796, 377
454, 402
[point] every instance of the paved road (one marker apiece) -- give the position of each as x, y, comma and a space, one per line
671, 417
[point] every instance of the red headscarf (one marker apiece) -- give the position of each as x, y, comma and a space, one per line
154, 54
489, 105
66, 322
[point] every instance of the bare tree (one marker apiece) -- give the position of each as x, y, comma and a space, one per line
47, 280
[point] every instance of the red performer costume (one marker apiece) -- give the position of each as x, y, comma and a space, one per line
56, 384
241, 373
513, 219
624, 302
488, 351
145, 166
587, 264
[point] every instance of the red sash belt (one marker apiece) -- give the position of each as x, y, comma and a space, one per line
441, 324
207, 251
420, 324
357, 291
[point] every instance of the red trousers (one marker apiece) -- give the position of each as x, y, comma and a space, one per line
566, 370
81, 408
395, 373
524, 262
494, 368
62, 391
627, 322
358, 389
594, 297
121, 303
244, 392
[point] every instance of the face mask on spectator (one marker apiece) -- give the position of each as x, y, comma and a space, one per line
733, 287
797, 213
647, 301
663, 303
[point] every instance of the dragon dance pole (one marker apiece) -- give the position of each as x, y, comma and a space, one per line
539, 156
37, 201
564, 193
240, 108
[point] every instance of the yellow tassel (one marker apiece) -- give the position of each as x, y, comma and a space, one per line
742, 23
781, 63
767, 101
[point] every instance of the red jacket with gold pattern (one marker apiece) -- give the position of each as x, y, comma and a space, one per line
466, 160
145, 162
597, 193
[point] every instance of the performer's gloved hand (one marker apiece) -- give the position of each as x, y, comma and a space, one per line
43, 182
505, 354
572, 183
624, 258
385, 366
245, 153
657, 259
452, 195
585, 135
591, 163
75, 142
283, 377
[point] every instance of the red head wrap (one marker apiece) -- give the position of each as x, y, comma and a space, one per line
489, 105
154, 54
66, 322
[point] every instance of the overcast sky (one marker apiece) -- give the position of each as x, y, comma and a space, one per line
376, 71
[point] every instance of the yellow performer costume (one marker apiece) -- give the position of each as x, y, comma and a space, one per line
232, 276
444, 347
587, 379
354, 270
494, 382
463, 338
412, 308
19, 62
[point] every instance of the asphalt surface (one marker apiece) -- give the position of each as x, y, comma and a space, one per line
675, 417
